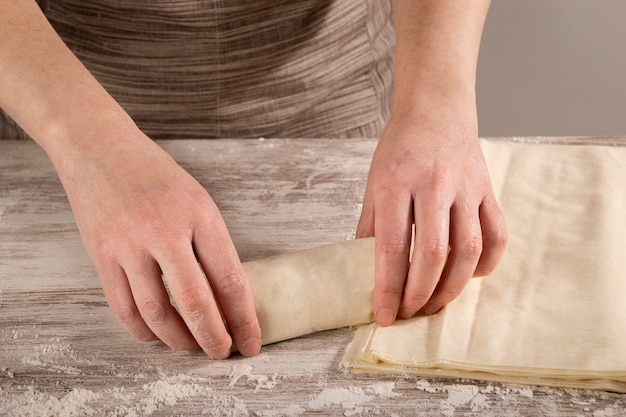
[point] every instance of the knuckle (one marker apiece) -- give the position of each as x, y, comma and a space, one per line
153, 312
395, 246
126, 314
389, 289
243, 325
471, 247
193, 302
435, 251
230, 285
416, 300
105, 249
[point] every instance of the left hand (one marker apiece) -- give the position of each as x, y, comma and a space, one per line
429, 170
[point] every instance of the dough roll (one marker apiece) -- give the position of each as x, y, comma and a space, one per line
313, 290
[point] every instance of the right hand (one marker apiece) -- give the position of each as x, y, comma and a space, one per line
141, 217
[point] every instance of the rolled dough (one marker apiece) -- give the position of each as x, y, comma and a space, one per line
554, 311
313, 290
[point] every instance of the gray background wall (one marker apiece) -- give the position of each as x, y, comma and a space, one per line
553, 67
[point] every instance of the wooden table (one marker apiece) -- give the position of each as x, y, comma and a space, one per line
63, 353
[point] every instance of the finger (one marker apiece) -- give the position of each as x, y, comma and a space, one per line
494, 234
465, 249
429, 256
393, 241
220, 261
121, 301
194, 300
155, 307
365, 227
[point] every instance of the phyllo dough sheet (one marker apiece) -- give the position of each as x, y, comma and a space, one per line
554, 311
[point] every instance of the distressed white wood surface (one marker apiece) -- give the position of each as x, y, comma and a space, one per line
63, 353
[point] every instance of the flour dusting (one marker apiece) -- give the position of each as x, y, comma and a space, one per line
261, 381
157, 395
382, 389
292, 410
36, 403
352, 399
56, 356
425, 386
238, 372
461, 394
142, 390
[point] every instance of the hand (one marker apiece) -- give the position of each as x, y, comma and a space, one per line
142, 217
429, 171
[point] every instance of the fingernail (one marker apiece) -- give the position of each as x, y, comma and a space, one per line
250, 347
385, 317
432, 308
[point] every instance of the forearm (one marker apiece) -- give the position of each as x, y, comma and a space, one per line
45, 88
437, 43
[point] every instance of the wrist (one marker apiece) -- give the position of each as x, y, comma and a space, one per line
71, 142
438, 104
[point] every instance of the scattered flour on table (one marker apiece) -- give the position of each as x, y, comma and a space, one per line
55, 355
477, 399
458, 395
239, 371
36, 403
292, 410
352, 399
160, 391
155, 395
245, 369
167, 391
461, 394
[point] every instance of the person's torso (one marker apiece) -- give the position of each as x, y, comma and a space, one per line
272, 68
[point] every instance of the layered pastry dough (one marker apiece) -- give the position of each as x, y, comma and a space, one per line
554, 311
313, 290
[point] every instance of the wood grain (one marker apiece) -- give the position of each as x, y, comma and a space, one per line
62, 351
